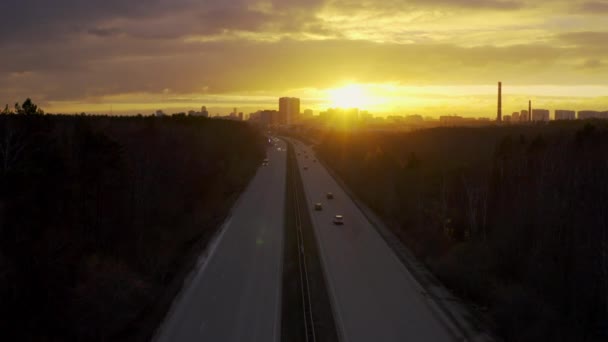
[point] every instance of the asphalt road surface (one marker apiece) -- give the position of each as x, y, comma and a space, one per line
235, 293
374, 296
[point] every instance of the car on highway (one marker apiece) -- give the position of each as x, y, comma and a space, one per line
265, 162
318, 206
329, 195
338, 220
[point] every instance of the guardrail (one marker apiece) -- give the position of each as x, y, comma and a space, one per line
309, 323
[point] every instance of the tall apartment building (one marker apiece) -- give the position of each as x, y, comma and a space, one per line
289, 110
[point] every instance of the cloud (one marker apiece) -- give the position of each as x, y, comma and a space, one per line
104, 32
92, 69
477, 4
594, 7
593, 64
585, 38
86, 49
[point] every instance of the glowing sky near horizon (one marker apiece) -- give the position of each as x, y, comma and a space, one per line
429, 57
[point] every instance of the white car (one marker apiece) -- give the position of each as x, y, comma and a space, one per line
338, 220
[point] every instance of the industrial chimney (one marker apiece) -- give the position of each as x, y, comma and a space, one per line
499, 115
530, 110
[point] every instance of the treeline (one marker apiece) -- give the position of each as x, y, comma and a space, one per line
512, 218
98, 213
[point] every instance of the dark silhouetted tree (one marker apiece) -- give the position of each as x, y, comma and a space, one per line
28, 108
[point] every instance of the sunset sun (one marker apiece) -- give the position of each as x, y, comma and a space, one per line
349, 96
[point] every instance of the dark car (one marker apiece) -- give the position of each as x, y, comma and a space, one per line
318, 206
330, 195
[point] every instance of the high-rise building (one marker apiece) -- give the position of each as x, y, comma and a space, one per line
565, 114
204, 112
524, 115
289, 110
515, 117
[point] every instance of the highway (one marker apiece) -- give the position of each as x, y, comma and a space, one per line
374, 296
234, 294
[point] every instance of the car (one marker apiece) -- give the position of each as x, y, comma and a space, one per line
318, 206
305, 168
265, 162
329, 195
338, 220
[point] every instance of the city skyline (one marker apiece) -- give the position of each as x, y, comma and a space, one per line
400, 57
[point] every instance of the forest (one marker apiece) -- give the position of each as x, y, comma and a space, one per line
512, 219
98, 214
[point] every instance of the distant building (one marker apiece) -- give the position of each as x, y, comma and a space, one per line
515, 117
395, 118
524, 116
233, 115
540, 115
451, 120
561, 114
202, 113
365, 116
589, 114
241, 116
414, 119
308, 113
289, 110
340, 117
264, 117
506, 118
159, 113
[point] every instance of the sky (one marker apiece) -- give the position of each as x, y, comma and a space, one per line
429, 57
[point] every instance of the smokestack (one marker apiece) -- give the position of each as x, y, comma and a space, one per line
499, 115
530, 110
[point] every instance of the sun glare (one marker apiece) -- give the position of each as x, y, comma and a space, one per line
349, 96
372, 97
